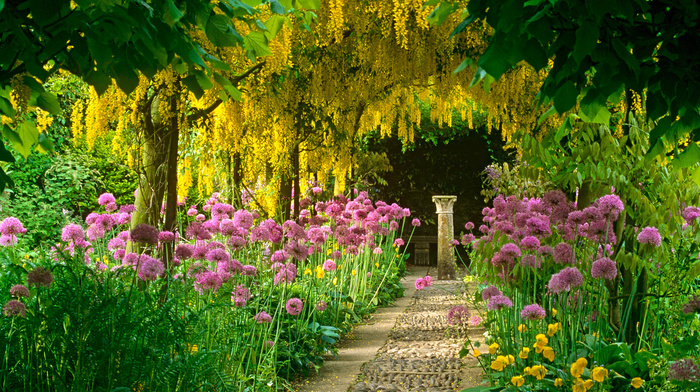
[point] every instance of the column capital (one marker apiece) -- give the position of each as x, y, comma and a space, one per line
444, 203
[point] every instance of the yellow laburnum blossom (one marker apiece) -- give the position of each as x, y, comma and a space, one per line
518, 381
477, 353
548, 353
538, 371
524, 352
637, 383
522, 328
493, 347
599, 373
558, 382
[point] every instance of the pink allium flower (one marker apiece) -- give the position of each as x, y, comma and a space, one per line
393, 225
184, 251
249, 270
565, 280
604, 268
263, 317
236, 243
693, 305
545, 251
420, 284
269, 343
241, 296
684, 370
428, 280
321, 306
533, 312
475, 321
144, 233
470, 225
208, 280
8, 240
458, 315
649, 235
192, 211
150, 268
329, 265
415, 222
11, 226
490, 292
316, 190
563, 253
610, 206
377, 251
510, 250
40, 277
530, 243
399, 242
279, 256
19, 290
200, 217
499, 302
286, 274
243, 219
468, 239
294, 306
166, 236
217, 255
72, 233
106, 198
690, 214
14, 308
116, 243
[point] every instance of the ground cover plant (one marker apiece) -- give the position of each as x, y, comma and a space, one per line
231, 301
594, 295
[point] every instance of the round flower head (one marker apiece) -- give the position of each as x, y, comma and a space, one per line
565, 280
217, 255
649, 235
14, 308
19, 291
428, 280
294, 306
533, 312
693, 305
249, 270
105, 199
40, 277
475, 321
72, 233
243, 219
329, 265
510, 250
530, 243
499, 302
8, 240
150, 268
321, 306
208, 280
11, 226
458, 315
490, 292
690, 214
166, 236
684, 370
469, 225
604, 268
610, 205
144, 233
415, 222
420, 284
563, 253
263, 317
184, 251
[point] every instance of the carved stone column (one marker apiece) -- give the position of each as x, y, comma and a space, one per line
446, 261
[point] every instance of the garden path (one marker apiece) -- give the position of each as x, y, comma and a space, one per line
404, 347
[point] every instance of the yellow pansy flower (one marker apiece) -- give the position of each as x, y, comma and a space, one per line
354, 272
588, 384
518, 381
558, 382
637, 383
554, 312
599, 373
477, 353
538, 371
527, 371
522, 328
524, 352
582, 362
509, 359
500, 363
552, 329
493, 347
335, 281
307, 271
376, 265
578, 386
320, 272
548, 353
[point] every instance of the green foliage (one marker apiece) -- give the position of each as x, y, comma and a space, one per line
599, 49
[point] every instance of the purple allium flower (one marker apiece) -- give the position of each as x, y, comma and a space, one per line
533, 312
490, 292
279, 256
12, 226
263, 317
297, 250
690, 214
693, 305
499, 302
329, 265
475, 320
563, 253
243, 219
14, 308
649, 235
604, 268
106, 198
130, 259
565, 280
469, 225
236, 242
415, 222
184, 251
249, 270
377, 251
40, 277
241, 296
510, 250
286, 274
545, 251
577, 217
19, 290
127, 208
393, 225
144, 233
294, 306
684, 370
530, 243
8, 240
217, 255
399, 242
116, 243
610, 206
72, 233
166, 236
192, 211
150, 268
458, 315
208, 280
199, 252
420, 284
321, 306
269, 343
554, 198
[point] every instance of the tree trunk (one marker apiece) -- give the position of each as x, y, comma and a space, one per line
285, 195
237, 180
171, 139
297, 190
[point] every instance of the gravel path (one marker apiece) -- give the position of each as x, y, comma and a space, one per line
406, 347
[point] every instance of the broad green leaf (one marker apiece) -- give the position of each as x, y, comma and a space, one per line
274, 25
5, 180
256, 42
203, 80
440, 13
565, 98
14, 138
48, 102
6, 107
193, 86
690, 156
219, 31
496, 59
463, 65
276, 7
546, 114
28, 133
233, 92
594, 109
2, 5
626, 56
45, 145
696, 180
5, 155
173, 14
586, 40
310, 4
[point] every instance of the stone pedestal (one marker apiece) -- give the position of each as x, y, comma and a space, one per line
446, 260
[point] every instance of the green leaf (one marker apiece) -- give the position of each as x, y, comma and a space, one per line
2, 5
49, 102
5, 155
256, 42
626, 56
586, 40
276, 7
193, 86
496, 59
565, 98
45, 145
594, 109
16, 141
274, 25
220, 32
690, 156
440, 13
6, 107
5, 180
173, 14
28, 133
310, 4
463, 65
